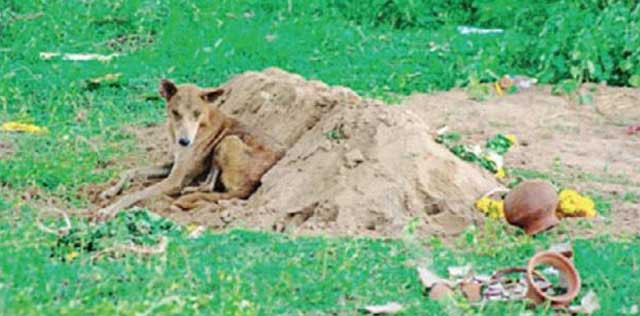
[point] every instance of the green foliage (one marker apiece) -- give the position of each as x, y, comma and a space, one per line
498, 144
139, 227
381, 48
334, 134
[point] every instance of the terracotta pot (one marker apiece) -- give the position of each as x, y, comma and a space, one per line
532, 205
564, 267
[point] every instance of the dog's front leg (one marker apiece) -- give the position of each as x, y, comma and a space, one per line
172, 184
145, 172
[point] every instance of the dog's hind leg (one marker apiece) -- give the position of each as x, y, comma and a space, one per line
180, 173
199, 199
145, 172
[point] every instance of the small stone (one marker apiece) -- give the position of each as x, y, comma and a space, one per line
353, 158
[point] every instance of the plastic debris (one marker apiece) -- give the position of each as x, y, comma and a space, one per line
633, 129
476, 30
389, 308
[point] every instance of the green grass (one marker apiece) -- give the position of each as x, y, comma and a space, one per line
381, 48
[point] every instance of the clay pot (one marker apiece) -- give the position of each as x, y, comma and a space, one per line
566, 269
532, 205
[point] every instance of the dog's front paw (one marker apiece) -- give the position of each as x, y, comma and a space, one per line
104, 214
188, 190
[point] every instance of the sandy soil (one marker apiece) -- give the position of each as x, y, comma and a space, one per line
359, 167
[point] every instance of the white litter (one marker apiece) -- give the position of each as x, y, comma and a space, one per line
78, 57
476, 30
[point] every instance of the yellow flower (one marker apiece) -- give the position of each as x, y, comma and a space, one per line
574, 204
512, 138
496, 85
501, 173
22, 127
72, 255
490, 207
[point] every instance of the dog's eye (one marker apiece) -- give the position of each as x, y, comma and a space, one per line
175, 113
196, 113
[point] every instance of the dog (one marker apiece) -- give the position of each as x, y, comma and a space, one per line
205, 142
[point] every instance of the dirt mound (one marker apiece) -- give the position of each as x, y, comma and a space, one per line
379, 170
352, 166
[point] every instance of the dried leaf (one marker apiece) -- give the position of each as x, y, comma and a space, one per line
389, 308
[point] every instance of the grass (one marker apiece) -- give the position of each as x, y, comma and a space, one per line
381, 48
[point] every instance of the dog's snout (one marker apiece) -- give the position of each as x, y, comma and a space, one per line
183, 141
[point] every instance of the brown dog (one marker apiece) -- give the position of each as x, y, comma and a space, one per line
205, 142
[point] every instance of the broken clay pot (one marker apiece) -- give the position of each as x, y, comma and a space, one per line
566, 270
472, 291
532, 205
440, 291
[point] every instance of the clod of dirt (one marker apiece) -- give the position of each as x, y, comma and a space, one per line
352, 166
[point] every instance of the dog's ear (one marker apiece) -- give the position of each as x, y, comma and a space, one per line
210, 95
167, 89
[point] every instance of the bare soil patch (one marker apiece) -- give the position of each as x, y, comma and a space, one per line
360, 167
6, 148
580, 146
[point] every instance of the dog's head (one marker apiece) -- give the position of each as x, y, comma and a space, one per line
189, 107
